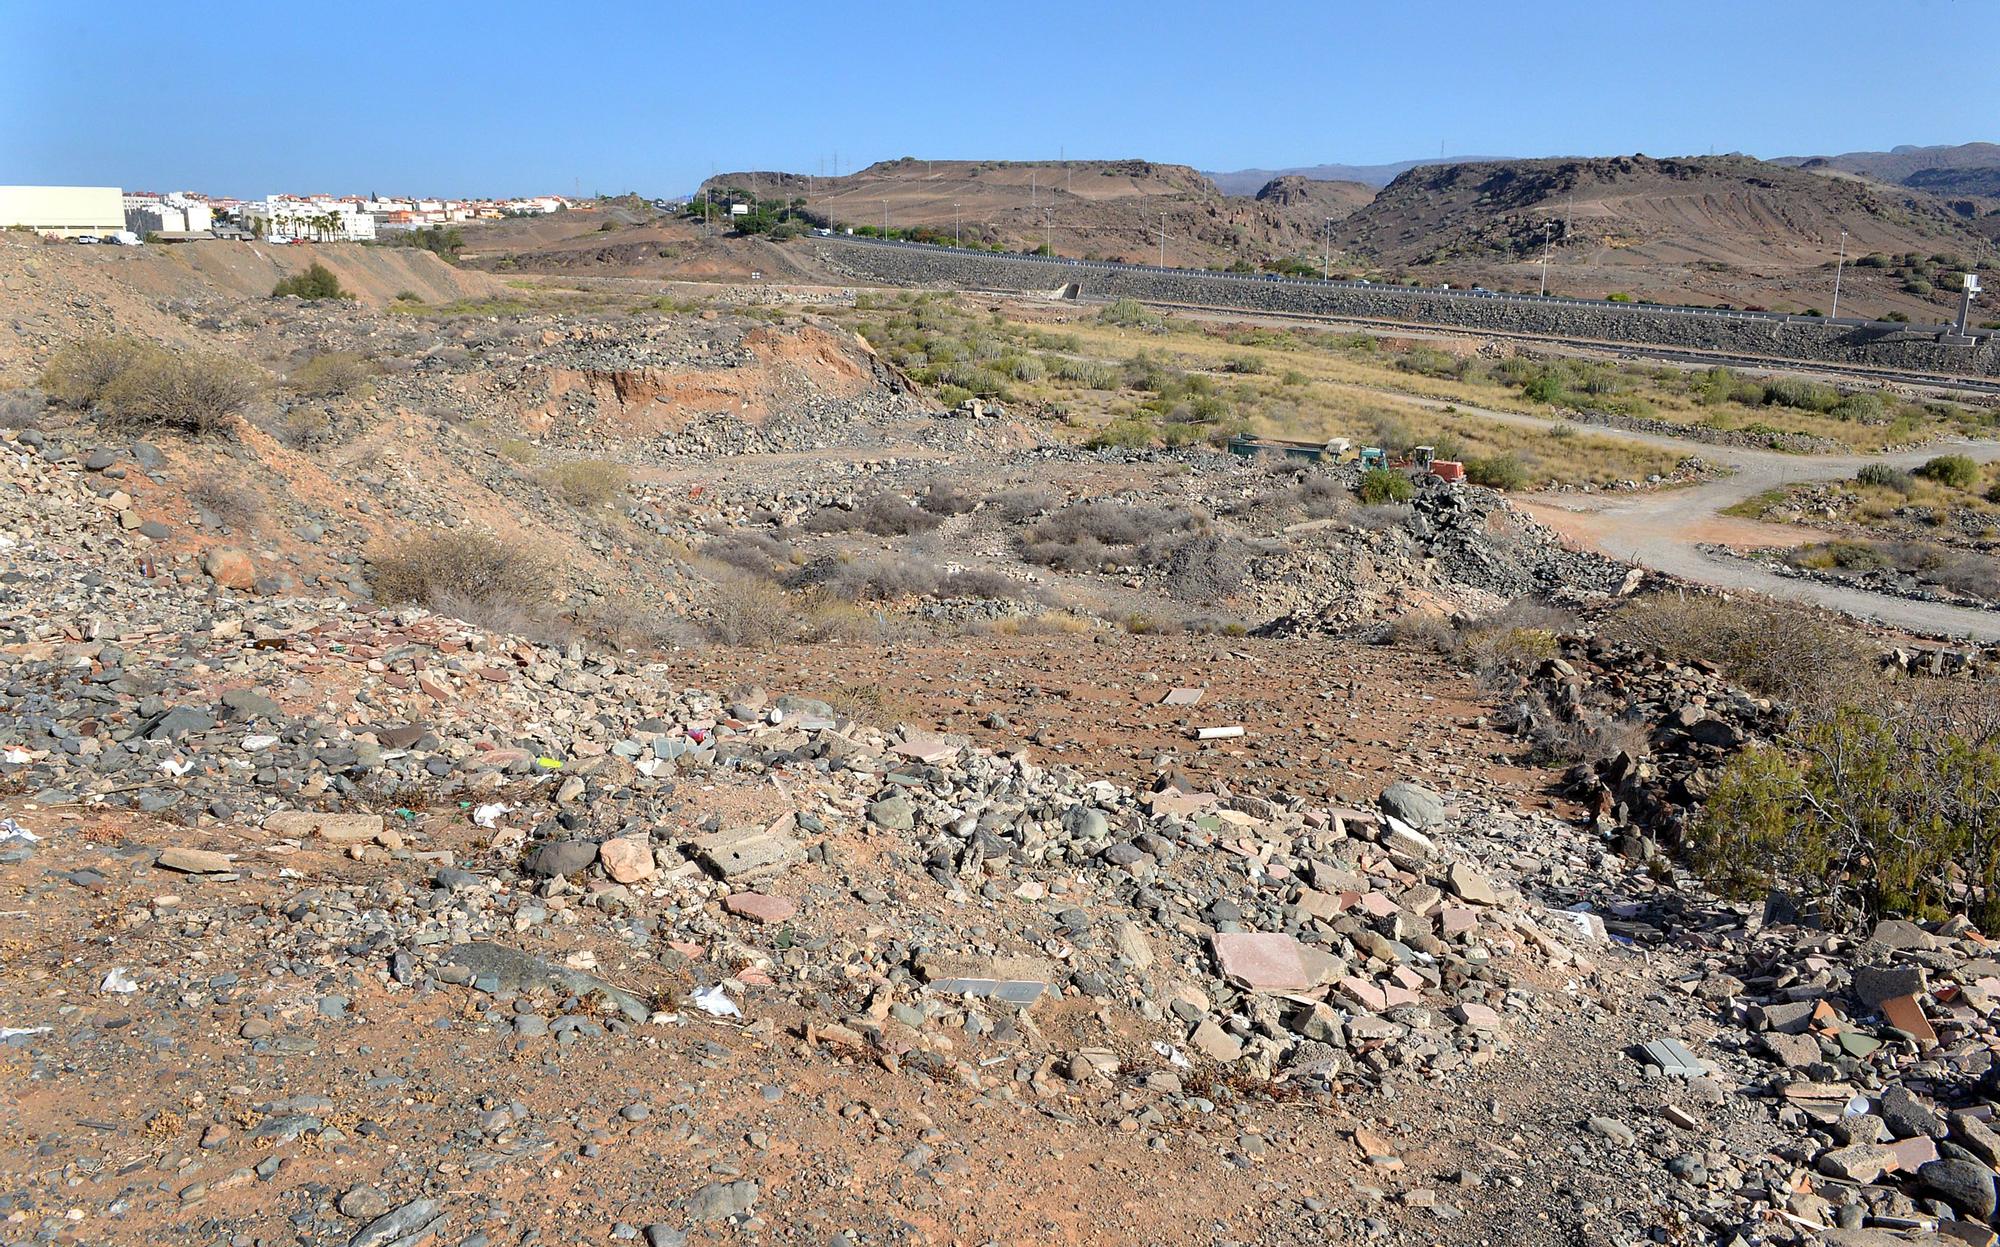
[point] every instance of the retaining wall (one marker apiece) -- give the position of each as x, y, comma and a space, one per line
1866, 343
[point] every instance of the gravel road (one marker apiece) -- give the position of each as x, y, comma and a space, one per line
1664, 529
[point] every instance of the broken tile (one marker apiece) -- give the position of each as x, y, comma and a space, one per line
1269, 962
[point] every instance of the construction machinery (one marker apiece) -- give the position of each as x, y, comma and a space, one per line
1374, 457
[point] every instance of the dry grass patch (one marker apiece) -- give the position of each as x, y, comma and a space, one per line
589, 484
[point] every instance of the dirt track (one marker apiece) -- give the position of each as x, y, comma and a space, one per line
1664, 529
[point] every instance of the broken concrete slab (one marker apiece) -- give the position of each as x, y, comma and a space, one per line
333, 828
744, 853
497, 968
1270, 962
1401, 838
194, 861
927, 749
1672, 1057
1015, 980
760, 907
1215, 1043
1183, 697
1471, 886
1875, 984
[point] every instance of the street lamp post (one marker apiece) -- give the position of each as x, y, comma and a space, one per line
954, 225
1326, 253
1838, 265
885, 219
1163, 240
1546, 227
1048, 229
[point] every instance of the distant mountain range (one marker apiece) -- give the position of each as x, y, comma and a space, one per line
1963, 169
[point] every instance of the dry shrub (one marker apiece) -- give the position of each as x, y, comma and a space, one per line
538, 623
465, 566
1048, 623
874, 578
1798, 654
947, 498
748, 610
1017, 506
622, 624
883, 514
302, 428
82, 372
589, 483
21, 409
1086, 536
198, 395
233, 502
744, 550
144, 387
334, 374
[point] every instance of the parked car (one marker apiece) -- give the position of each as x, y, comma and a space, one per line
86, 239
124, 238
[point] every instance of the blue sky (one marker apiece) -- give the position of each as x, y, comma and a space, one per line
506, 97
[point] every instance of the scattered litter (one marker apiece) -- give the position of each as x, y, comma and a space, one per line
11, 830
1218, 733
1183, 697
549, 764
258, 744
715, 1002
15, 1032
119, 981
651, 768
175, 767
490, 815
18, 756
1173, 1055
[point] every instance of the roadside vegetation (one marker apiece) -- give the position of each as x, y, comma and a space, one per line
1129, 376
1123, 376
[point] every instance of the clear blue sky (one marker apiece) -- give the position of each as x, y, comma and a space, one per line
511, 97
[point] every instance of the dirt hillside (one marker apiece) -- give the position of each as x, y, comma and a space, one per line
1712, 229
1104, 209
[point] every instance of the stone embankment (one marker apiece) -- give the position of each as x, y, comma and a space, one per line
1876, 345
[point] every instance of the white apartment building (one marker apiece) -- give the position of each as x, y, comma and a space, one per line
320, 218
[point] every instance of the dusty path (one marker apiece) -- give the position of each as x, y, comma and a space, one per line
1664, 529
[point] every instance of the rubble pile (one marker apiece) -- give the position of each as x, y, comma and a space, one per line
1877, 1052
1653, 733
1454, 549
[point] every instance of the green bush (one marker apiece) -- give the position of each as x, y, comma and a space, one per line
1885, 476
1874, 815
1127, 314
1957, 471
1380, 485
317, 282
1498, 472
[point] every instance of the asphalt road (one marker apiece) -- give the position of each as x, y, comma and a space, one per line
1663, 529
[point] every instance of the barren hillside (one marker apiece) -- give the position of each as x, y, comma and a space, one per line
1108, 209
1707, 229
